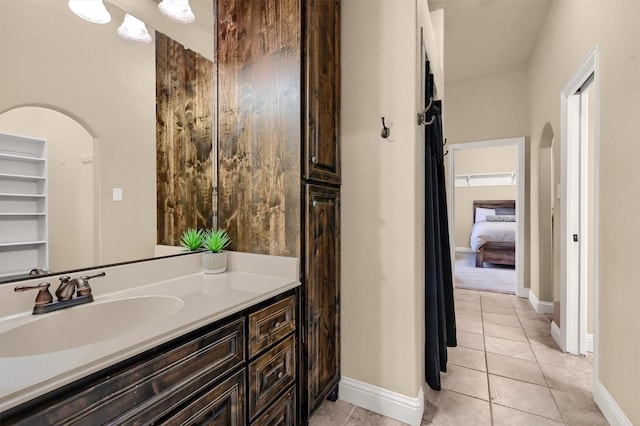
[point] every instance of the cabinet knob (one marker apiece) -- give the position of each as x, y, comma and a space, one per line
314, 159
280, 375
314, 203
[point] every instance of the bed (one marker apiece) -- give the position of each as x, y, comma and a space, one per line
493, 236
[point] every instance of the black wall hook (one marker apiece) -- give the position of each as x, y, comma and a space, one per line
385, 132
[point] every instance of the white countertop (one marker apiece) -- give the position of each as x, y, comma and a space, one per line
204, 299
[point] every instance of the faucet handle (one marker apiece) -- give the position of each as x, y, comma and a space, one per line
44, 296
83, 284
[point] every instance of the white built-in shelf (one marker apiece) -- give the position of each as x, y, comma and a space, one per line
486, 179
22, 243
23, 205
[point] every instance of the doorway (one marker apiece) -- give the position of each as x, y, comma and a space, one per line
577, 332
458, 150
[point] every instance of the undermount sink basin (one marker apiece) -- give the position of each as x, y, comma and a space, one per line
85, 324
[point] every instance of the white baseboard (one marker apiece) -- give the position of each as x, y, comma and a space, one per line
464, 249
611, 410
557, 335
540, 307
589, 342
391, 404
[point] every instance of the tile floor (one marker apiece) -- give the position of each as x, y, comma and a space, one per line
506, 370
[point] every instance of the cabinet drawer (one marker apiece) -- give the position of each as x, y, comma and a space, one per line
146, 391
270, 324
281, 413
221, 406
270, 374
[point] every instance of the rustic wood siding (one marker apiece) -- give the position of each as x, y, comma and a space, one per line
259, 113
184, 138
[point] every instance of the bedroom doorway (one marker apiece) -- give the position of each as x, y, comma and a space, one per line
463, 213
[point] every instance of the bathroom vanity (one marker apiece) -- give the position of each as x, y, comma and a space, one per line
215, 349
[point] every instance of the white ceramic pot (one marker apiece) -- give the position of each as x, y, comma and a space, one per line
214, 263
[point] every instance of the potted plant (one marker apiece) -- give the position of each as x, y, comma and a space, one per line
192, 239
214, 259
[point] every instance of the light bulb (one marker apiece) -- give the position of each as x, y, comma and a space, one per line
134, 30
177, 10
90, 10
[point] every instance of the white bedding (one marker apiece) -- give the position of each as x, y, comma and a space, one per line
483, 232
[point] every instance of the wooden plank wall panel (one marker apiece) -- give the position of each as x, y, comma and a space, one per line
259, 130
184, 138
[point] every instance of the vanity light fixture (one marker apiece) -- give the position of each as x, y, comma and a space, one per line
134, 30
177, 11
90, 10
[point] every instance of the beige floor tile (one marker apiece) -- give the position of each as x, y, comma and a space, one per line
498, 309
449, 408
505, 332
466, 295
505, 416
331, 413
547, 355
576, 380
514, 368
535, 324
528, 314
465, 357
470, 340
503, 302
541, 337
578, 410
468, 314
512, 348
492, 318
521, 303
466, 381
523, 396
471, 306
471, 326
362, 417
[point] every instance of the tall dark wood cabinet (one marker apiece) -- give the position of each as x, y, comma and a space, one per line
278, 99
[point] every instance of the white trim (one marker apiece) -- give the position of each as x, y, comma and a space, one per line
464, 249
572, 304
521, 207
557, 334
390, 404
611, 410
540, 307
589, 342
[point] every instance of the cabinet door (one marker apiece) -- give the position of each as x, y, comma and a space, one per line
221, 406
322, 58
322, 284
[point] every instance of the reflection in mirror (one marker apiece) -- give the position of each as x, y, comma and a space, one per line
63, 77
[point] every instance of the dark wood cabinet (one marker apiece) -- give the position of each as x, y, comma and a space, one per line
322, 291
279, 158
322, 77
203, 378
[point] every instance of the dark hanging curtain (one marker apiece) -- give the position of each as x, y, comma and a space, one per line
440, 322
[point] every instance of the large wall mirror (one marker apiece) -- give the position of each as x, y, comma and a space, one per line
92, 96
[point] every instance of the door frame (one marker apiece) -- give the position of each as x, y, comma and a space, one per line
520, 290
572, 271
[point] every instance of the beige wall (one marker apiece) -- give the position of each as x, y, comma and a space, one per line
54, 59
382, 296
573, 27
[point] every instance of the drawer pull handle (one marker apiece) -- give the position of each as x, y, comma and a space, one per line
280, 375
276, 325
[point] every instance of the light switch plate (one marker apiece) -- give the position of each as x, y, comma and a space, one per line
117, 194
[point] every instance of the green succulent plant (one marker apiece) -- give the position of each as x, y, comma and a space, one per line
192, 239
216, 241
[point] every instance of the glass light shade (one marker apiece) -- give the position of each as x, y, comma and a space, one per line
90, 10
134, 31
177, 10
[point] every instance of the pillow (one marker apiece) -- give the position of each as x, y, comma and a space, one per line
481, 214
501, 218
505, 210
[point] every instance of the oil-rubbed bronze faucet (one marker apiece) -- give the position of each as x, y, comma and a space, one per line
64, 293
